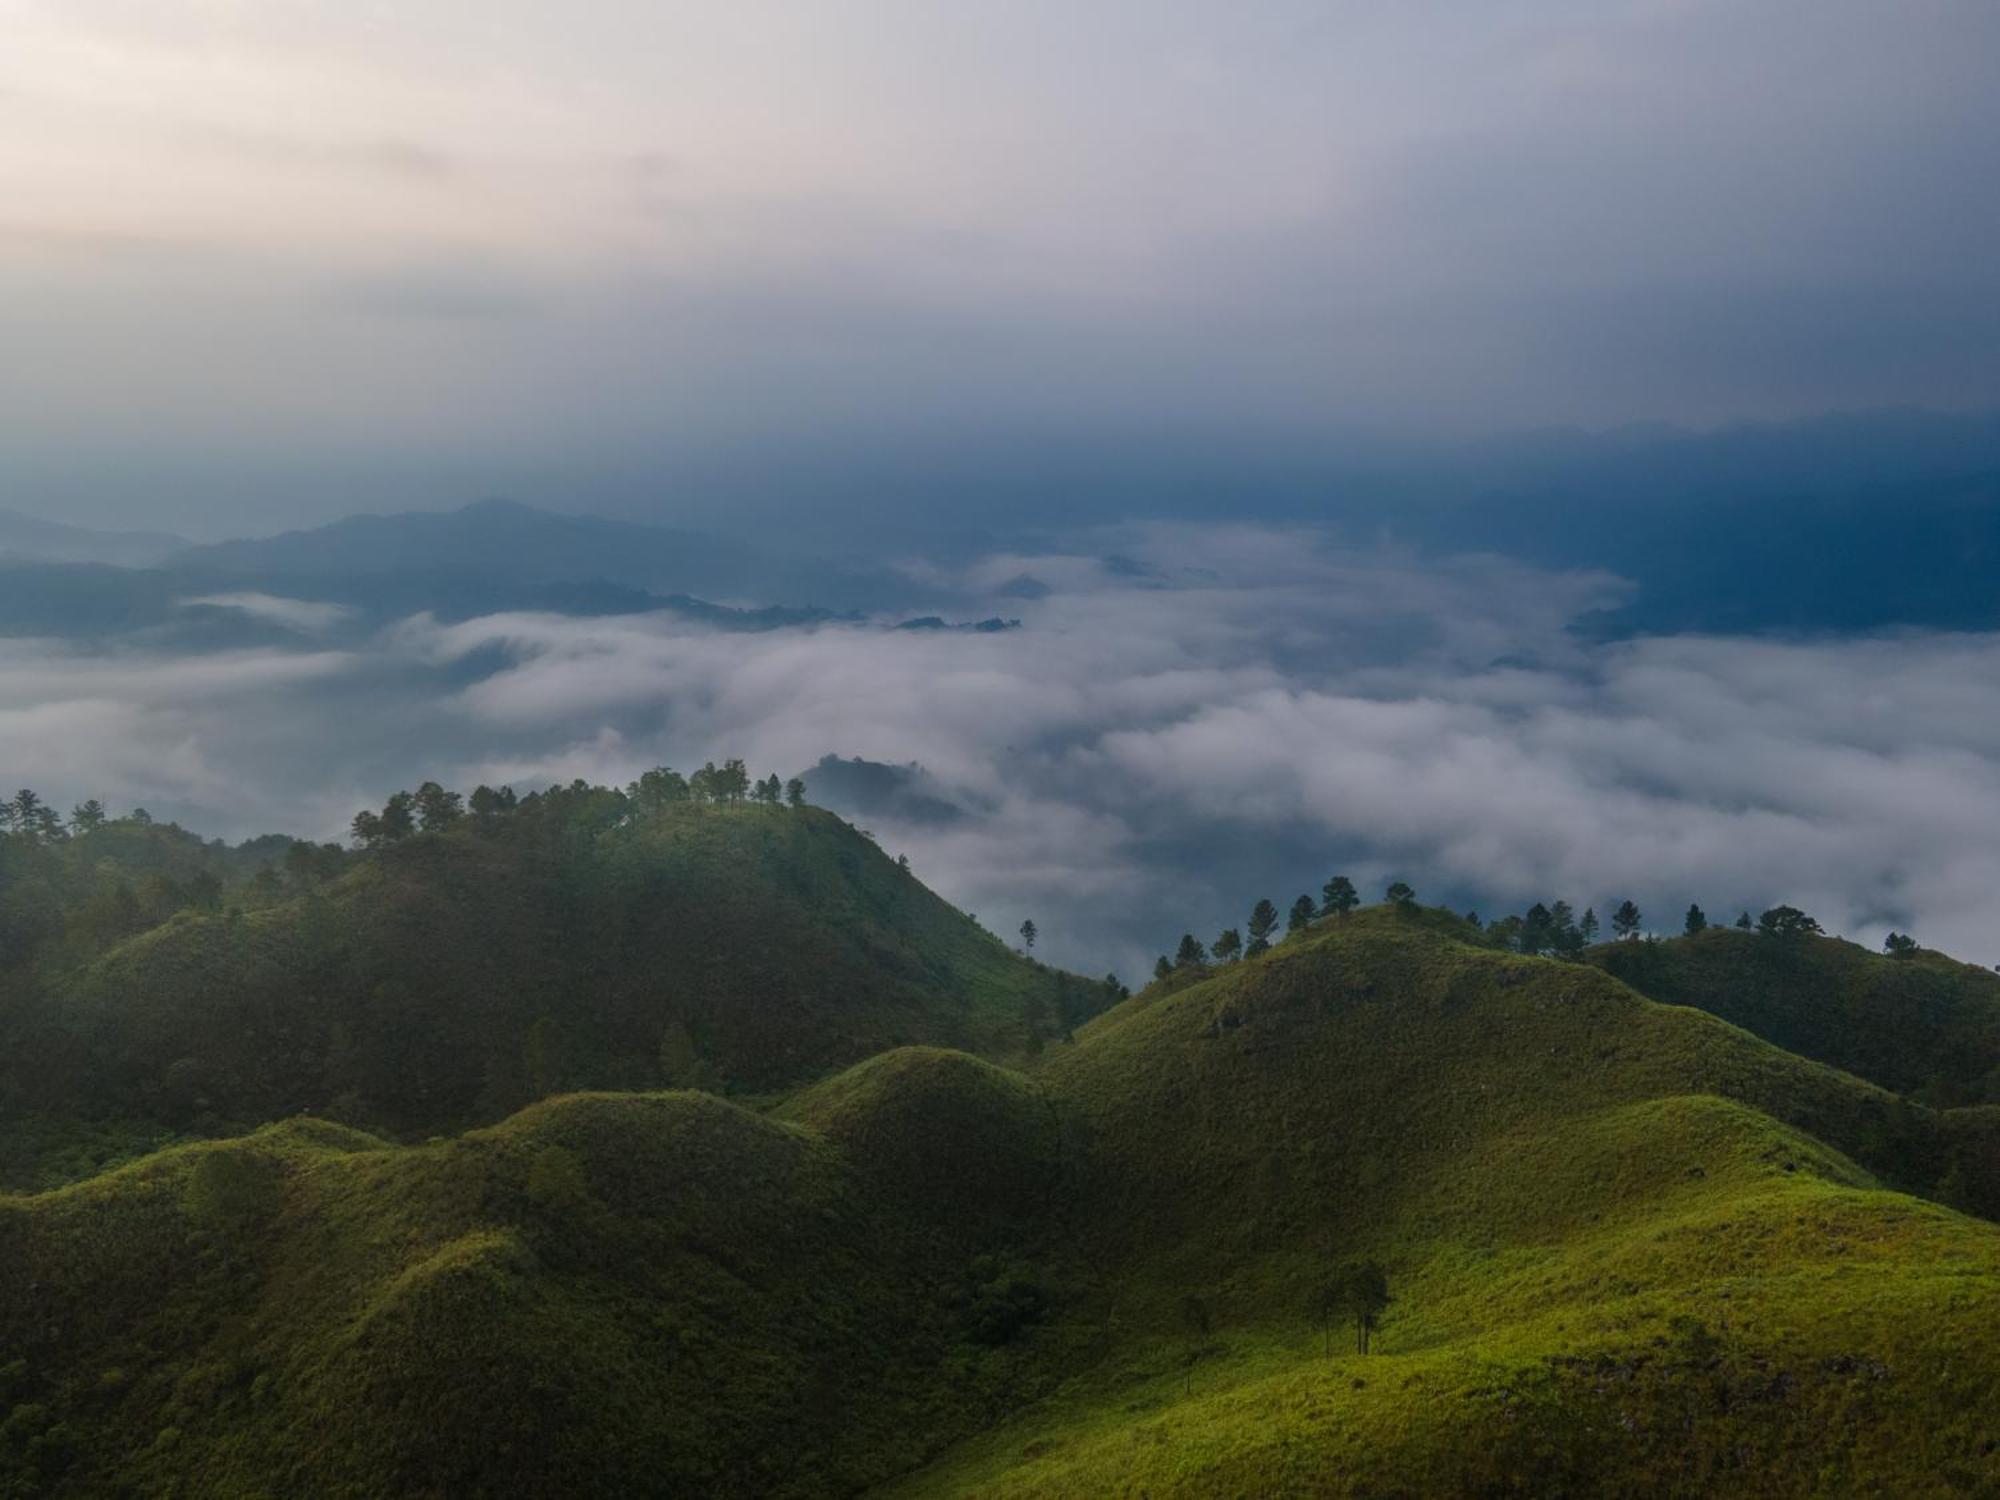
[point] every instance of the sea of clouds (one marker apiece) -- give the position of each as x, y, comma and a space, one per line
1187, 718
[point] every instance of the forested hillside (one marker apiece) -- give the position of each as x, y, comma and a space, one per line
471, 957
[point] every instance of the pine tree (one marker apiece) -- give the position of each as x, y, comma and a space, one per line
1338, 897
1263, 922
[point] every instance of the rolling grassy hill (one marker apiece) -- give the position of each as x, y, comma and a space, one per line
1631, 1248
1926, 1025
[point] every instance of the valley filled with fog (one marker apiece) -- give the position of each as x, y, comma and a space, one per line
1159, 723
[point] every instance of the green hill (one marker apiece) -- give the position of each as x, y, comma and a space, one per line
453, 977
1621, 1263
1631, 1249
1926, 1025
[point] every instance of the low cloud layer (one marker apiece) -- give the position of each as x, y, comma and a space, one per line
1188, 719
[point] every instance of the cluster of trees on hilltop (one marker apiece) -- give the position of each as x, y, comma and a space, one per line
431, 808
1554, 929
77, 886
1551, 929
1338, 897
26, 816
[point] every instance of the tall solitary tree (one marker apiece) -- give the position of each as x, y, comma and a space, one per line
1625, 921
1400, 895
1588, 926
1697, 920
1190, 953
1787, 922
1263, 922
1360, 1293
1743, 920
1301, 915
1228, 945
1028, 935
795, 792
1338, 897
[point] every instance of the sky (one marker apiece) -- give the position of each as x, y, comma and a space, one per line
272, 261
1189, 718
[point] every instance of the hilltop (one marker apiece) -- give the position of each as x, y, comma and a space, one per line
1629, 1247
1924, 1025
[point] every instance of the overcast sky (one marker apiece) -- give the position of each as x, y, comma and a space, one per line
271, 260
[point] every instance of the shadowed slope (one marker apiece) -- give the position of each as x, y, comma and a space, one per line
1925, 1025
458, 976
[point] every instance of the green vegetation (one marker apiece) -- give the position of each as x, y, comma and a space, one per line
1914, 1021
468, 962
1592, 1244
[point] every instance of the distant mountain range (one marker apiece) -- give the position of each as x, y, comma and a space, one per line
1848, 523
481, 559
497, 539
504, 541
27, 538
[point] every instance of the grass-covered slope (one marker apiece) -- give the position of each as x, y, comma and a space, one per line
1926, 1025
1621, 1262
1632, 1249
632, 1294
455, 977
